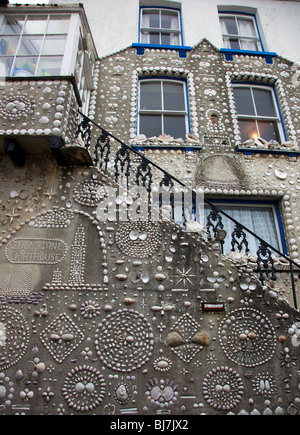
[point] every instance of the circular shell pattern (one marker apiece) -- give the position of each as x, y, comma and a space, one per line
124, 341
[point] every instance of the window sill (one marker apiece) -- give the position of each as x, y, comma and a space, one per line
230, 52
182, 49
185, 147
250, 151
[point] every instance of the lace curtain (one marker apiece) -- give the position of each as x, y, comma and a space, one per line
260, 220
245, 28
146, 36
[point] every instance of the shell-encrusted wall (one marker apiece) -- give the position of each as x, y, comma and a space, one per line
224, 167
118, 318
31, 108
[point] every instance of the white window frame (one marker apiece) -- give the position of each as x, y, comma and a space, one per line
161, 30
84, 76
163, 112
228, 36
256, 117
69, 57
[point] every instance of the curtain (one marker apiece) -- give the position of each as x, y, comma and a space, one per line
260, 220
248, 44
224, 30
174, 37
145, 36
246, 29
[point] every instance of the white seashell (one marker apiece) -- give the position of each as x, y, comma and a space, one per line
281, 174
47, 91
160, 277
140, 138
44, 120
90, 387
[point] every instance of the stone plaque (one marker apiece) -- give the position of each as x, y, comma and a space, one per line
36, 251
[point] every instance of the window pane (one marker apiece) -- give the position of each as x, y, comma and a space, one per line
174, 96
25, 66
246, 27
229, 26
248, 129
36, 25
8, 45
243, 101
151, 19
166, 39
12, 25
248, 44
175, 126
150, 125
169, 21
260, 220
30, 45
268, 130
49, 66
150, 96
234, 44
264, 102
58, 24
5, 66
54, 45
154, 38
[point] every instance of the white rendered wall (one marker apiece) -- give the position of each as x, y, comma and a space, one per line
114, 23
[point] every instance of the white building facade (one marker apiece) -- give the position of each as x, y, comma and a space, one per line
116, 25
150, 209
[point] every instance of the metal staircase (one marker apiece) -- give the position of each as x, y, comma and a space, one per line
121, 161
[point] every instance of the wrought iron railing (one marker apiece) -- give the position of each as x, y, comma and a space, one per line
121, 161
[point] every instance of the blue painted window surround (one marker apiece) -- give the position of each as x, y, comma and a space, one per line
266, 54
249, 152
258, 112
163, 107
248, 213
160, 28
235, 39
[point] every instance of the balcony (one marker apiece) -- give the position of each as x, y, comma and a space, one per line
47, 58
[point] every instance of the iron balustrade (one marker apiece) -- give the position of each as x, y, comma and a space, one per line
124, 161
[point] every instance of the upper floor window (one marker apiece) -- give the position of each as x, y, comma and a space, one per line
163, 108
258, 113
160, 26
240, 32
33, 45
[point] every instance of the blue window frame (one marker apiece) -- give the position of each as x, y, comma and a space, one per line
240, 31
241, 35
258, 112
160, 27
261, 217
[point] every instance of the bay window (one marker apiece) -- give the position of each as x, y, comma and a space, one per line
33, 45
47, 45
